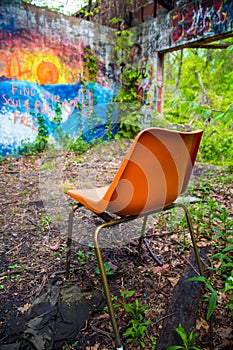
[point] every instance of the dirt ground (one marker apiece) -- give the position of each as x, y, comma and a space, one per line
33, 241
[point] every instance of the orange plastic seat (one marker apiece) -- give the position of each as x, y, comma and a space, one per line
155, 171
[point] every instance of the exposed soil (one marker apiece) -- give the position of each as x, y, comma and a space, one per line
32, 251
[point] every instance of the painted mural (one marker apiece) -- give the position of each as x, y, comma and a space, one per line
200, 20
145, 88
46, 75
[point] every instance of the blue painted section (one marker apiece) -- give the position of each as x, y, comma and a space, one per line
82, 108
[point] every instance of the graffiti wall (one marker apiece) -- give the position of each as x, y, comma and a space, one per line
51, 66
199, 20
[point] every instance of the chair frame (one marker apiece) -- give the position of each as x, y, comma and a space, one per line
171, 158
108, 222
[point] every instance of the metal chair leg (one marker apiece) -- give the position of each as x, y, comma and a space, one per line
192, 234
69, 239
106, 287
142, 233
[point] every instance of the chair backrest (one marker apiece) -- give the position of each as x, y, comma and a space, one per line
155, 171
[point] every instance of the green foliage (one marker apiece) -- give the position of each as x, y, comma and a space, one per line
33, 147
201, 97
87, 11
217, 140
214, 222
123, 46
129, 121
90, 63
71, 144
224, 238
188, 341
217, 145
77, 145
130, 77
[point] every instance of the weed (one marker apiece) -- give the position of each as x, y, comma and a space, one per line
84, 257
184, 244
109, 271
212, 298
45, 222
224, 233
15, 266
78, 160
188, 341
48, 165
153, 342
136, 332
25, 192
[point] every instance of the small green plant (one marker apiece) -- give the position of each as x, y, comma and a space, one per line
229, 287
225, 270
153, 342
109, 271
10, 167
136, 332
25, 192
224, 233
2, 159
45, 222
138, 326
82, 257
212, 298
48, 164
184, 244
188, 341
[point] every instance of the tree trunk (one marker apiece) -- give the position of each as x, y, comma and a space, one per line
205, 99
183, 308
179, 71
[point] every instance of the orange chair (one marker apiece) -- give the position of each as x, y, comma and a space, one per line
153, 174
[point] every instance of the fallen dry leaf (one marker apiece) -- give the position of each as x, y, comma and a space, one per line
173, 280
55, 247
24, 308
161, 269
112, 266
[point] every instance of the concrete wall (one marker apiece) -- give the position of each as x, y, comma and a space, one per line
202, 20
45, 60
44, 67
132, 14
187, 22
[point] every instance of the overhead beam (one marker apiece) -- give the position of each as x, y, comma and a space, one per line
212, 46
